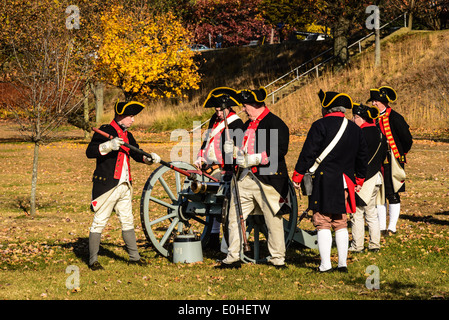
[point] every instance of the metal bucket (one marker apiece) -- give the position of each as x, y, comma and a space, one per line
187, 249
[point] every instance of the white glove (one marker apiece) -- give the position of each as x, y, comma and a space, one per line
110, 145
228, 146
154, 158
296, 185
198, 162
249, 160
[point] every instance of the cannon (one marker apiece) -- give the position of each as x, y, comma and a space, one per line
177, 199
173, 203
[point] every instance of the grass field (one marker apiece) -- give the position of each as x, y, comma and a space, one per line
36, 252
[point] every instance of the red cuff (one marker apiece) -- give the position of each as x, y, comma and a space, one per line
297, 177
359, 181
264, 158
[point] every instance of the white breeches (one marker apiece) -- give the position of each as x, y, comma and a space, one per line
120, 202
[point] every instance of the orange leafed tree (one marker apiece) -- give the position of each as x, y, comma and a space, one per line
43, 69
146, 54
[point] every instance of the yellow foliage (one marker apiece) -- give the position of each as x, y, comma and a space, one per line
312, 27
146, 55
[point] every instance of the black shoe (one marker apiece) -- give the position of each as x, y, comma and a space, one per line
383, 233
374, 250
325, 271
96, 266
233, 265
342, 269
141, 262
280, 266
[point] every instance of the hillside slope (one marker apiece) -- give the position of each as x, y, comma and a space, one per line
415, 64
255, 66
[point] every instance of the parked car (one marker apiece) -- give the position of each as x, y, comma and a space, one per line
199, 47
253, 43
308, 36
316, 37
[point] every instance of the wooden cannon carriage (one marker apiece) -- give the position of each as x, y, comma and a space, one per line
174, 203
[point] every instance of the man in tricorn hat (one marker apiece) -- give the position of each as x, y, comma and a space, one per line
216, 143
396, 129
112, 190
216, 153
263, 178
372, 192
336, 177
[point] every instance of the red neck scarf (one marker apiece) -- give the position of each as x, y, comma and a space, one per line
123, 152
250, 133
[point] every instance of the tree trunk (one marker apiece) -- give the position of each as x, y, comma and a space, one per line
341, 42
86, 110
34, 180
98, 89
410, 21
410, 14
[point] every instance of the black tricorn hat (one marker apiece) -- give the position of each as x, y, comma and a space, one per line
366, 112
221, 97
128, 108
252, 96
331, 99
384, 94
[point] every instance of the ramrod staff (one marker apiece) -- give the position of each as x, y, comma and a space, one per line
190, 175
246, 247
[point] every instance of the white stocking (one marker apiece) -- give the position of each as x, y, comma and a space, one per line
324, 246
341, 239
394, 210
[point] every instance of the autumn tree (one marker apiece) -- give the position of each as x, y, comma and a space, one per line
44, 69
238, 20
424, 9
294, 14
145, 54
343, 17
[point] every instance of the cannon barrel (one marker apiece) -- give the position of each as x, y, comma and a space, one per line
203, 187
190, 175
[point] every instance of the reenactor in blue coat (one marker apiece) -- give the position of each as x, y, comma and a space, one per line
215, 156
336, 178
372, 192
112, 180
263, 178
400, 140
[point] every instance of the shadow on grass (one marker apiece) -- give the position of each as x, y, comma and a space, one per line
81, 250
428, 218
302, 257
394, 290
